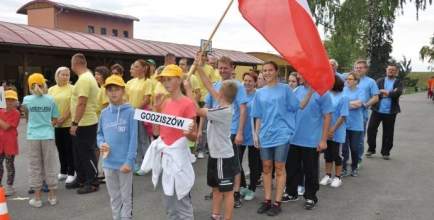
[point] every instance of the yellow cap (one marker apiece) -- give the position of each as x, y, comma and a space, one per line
114, 80
171, 70
36, 78
11, 94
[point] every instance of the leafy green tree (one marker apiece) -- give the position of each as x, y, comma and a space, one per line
427, 53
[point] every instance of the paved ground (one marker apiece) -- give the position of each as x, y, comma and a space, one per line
397, 189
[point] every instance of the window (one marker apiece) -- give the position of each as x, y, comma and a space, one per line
103, 31
125, 33
90, 29
115, 32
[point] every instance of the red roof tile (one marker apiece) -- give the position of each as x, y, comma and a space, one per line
20, 34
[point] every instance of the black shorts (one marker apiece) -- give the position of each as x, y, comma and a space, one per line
237, 164
220, 173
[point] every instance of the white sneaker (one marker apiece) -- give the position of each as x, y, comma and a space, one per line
336, 182
70, 179
250, 195
62, 176
326, 180
200, 155
9, 190
52, 201
193, 158
35, 202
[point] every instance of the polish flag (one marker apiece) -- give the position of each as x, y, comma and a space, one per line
289, 27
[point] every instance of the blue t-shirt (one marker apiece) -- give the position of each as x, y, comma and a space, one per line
248, 126
342, 75
370, 88
354, 121
275, 107
386, 103
239, 100
41, 111
309, 121
341, 105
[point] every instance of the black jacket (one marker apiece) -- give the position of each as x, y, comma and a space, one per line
394, 95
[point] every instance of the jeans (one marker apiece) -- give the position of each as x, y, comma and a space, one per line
388, 121
351, 143
361, 146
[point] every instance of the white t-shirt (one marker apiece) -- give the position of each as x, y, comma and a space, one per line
219, 131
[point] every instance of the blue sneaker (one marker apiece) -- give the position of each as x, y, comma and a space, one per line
344, 173
301, 190
354, 173
136, 168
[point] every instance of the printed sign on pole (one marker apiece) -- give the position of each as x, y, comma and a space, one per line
208, 49
163, 119
2, 98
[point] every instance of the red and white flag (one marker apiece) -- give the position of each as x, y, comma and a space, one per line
289, 27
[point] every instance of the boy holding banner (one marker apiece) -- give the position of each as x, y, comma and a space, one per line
221, 162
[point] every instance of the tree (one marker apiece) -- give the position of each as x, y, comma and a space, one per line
427, 53
366, 24
404, 68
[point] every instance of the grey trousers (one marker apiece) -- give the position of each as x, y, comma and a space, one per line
142, 144
120, 189
43, 163
178, 210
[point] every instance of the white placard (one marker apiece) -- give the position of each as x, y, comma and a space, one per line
2, 97
163, 119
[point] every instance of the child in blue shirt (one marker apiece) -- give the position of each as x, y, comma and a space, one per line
117, 140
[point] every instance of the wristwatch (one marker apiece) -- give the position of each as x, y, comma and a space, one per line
73, 123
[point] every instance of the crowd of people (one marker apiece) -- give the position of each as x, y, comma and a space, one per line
283, 127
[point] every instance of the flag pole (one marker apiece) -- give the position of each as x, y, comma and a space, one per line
193, 67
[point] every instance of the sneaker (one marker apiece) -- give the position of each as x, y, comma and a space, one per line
87, 189
336, 182
200, 155
359, 165
264, 208
344, 173
243, 191
237, 198
212, 218
35, 202
250, 195
70, 179
208, 196
301, 190
310, 204
274, 210
52, 200
44, 187
193, 158
386, 157
259, 183
369, 154
354, 173
9, 190
288, 198
326, 180
73, 185
141, 173
62, 176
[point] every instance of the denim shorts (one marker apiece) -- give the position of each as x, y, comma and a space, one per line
277, 153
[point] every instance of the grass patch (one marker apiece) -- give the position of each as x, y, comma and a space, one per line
423, 78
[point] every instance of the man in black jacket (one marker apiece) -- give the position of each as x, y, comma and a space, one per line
385, 111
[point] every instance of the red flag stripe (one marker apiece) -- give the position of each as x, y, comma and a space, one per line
289, 28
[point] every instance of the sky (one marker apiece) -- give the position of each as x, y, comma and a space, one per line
189, 21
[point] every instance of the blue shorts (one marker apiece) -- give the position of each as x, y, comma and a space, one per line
278, 153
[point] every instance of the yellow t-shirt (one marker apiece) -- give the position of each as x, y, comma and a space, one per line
102, 99
194, 82
137, 90
86, 86
159, 88
217, 75
209, 72
62, 97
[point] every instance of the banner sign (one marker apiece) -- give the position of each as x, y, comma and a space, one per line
163, 119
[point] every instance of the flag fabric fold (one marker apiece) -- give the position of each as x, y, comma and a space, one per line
288, 26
